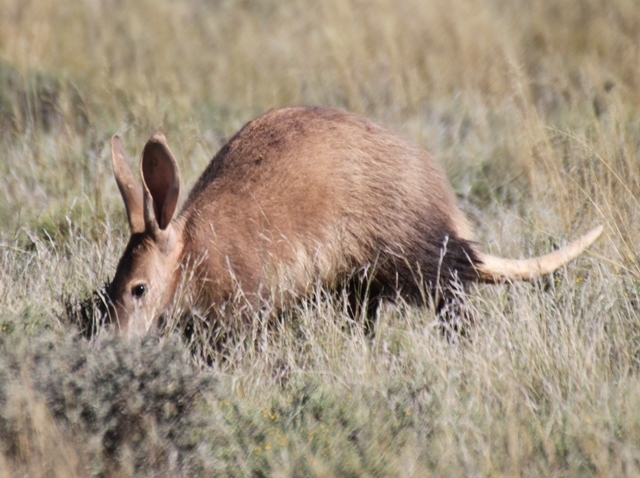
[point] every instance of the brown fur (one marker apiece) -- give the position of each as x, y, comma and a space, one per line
325, 191
301, 195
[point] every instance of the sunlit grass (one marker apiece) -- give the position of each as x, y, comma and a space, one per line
532, 107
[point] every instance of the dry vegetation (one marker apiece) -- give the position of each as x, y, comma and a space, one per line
533, 108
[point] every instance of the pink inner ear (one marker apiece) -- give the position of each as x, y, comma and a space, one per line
160, 175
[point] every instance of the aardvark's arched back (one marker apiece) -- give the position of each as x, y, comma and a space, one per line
299, 196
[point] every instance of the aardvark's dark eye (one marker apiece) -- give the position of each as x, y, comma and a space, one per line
138, 290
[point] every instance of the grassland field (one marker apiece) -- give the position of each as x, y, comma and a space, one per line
532, 107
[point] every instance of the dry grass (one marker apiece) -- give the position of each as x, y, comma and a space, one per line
532, 107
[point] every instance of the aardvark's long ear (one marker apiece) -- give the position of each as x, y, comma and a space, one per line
161, 182
129, 188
